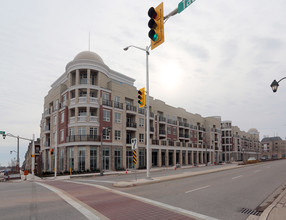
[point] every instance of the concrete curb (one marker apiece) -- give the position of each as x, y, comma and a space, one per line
266, 212
169, 178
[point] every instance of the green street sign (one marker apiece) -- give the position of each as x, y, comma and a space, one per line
184, 4
2, 132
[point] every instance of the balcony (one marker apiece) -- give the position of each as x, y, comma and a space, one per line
118, 105
72, 101
107, 102
171, 143
79, 138
93, 118
155, 142
82, 100
162, 119
82, 119
72, 120
93, 100
152, 129
141, 111
162, 132
131, 125
131, 108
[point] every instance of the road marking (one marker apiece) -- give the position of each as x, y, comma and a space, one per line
255, 171
152, 202
83, 210
198, 189
236, 177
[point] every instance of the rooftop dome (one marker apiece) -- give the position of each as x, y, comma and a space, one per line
253, 131
88, 55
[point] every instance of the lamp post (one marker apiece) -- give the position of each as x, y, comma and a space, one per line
274, 85
147, 106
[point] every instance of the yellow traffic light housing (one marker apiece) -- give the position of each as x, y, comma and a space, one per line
156, 23
141, 97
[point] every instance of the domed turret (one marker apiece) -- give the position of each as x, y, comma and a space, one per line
88, 55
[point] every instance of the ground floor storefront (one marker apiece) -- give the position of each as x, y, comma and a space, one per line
114, 158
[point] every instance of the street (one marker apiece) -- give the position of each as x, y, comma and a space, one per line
219, 195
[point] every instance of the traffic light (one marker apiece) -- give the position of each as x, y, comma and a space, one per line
141, 97
52, 151
156, 23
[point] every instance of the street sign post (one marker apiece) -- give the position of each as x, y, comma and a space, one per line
134, 144
184, 4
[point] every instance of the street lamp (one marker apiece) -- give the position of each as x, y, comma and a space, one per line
274, 85
147, 105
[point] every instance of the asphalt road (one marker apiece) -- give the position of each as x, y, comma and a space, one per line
28, 200
220, 195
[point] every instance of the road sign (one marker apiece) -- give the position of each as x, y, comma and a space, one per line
2, 132
184, 4
134, 157
134, 143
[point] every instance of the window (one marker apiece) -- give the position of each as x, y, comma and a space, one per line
81, 158
169, 129
117, 117
141, 138
106, 134
106, 115
71, 158
81, 131
141, 122
117, 99
117, 135
93, 158
105, 96
83, 78
62, 135
174, 131
71, 131
62, 152
117, 158
93, 131
55, 120
62, 117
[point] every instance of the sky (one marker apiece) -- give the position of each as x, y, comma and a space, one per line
218, 59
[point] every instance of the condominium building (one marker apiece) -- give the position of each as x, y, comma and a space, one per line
91, 114
27, 164
237, 144
273, 148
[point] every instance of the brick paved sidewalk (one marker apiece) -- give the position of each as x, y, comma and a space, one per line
113, 205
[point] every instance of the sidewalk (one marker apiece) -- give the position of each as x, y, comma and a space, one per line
140, 182
277, 210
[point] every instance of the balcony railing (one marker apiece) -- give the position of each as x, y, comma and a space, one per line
79, 138
118, 105
155, 142
162, 132
131, 124
106, 102
141, 111
82, 99
93, 100
131, 108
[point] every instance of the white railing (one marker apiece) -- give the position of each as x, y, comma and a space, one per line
72, 119
82, 99
93, 118
93, 100
72, 101
81, 119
